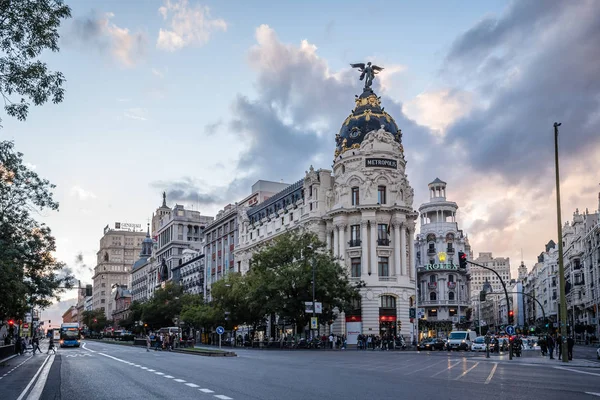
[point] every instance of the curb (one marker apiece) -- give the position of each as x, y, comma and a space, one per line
8, 358
541, 364
199, 353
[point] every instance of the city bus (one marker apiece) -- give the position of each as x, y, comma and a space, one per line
69, 334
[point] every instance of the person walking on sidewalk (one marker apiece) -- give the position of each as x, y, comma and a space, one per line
36, 344
550, 344
570, 344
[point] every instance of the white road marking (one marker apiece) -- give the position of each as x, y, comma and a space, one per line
151, 370
24, 392
206, 390
144, 367
491, 375
447, 369
593, 394
220, 396
37, 390
575, 370
192, 385
179, 380
83, 347
169, 376
159, 373
466, 372
429, 366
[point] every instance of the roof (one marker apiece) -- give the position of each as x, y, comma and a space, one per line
437, 180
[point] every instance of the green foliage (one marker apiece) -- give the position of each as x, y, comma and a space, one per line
280, 282
95, 320
167, 303
27, 28
201, 315
28, 270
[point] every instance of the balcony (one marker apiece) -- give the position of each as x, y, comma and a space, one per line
431, 252
450, 250
383, 242
387, 279
354, 243
231, 264
432, 285
219, 253
231, 247
451, 285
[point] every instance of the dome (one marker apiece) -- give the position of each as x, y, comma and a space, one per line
368, 115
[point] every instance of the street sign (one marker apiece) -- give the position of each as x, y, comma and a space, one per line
314, 323
220, 330
308, 307
510, 330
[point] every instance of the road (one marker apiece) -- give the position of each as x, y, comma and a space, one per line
103, 371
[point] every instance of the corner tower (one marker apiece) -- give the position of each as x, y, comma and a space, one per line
370, 221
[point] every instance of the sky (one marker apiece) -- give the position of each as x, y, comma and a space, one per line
203, 98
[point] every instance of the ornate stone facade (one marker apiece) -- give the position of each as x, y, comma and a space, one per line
363, 211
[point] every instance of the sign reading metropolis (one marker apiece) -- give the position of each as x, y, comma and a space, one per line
381, 163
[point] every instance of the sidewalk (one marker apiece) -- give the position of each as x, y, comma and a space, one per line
537, 359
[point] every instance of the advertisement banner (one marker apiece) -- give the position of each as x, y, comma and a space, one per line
353, 329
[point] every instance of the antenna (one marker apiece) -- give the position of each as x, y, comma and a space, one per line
521, 255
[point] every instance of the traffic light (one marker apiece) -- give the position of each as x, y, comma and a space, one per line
88, 290
482, 295
399, 326
235, 328
462, 260
11, 323
511, 317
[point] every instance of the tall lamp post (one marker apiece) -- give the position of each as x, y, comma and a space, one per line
313, 263
561, 267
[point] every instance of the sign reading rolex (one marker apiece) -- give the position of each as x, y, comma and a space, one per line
430, 267
381, 163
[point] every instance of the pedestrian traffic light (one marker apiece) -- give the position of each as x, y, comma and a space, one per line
462, 260
511, 317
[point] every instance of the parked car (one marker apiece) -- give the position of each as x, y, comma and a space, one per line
431, 344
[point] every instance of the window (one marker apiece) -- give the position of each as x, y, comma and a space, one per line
354, 235
355, 267
432, 296
388, 301
383, 266
451, 296
450, 278
382, 235
355, 198
381, 194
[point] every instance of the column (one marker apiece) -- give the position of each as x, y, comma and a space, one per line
411, 249
397, 248
329, 230
373, 246
403, 250
335, 241
364, 242
342, 238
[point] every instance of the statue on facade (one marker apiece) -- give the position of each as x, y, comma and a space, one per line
338, 193
330, 198
367, 71
368, 186
164, 271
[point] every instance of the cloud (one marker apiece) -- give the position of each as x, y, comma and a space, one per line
211, 129
188, 26
440, 108
188, 190
140, 114
82, 194
97, 31
158, 73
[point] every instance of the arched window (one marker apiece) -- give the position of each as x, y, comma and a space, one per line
433, 278
388, 301
450, 278
381, 194
432, 296
450, 295
355, 196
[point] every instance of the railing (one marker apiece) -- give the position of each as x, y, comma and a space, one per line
387, 279
432, 285
444, 303
354, 243
383, 242
431, 252
451, 285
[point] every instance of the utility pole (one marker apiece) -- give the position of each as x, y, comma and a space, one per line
561, 267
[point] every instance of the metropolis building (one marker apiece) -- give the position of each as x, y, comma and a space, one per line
443, 295
362, 210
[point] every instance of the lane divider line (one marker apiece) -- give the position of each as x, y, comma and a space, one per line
578, 371
206, 390
220, 396
447, 369
192, 385
466, 372
179, 380
24, 392
37, 390
489, 378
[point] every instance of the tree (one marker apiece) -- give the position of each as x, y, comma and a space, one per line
27, 28
95, 320
201, 315
29, 273
240, 297
136, 310
280, 279
162, 309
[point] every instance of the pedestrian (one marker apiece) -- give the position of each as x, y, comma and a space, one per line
570, 344
148, 342
36, 344
550, 345
51, 346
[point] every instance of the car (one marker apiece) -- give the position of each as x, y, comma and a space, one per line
478, 344
431, 344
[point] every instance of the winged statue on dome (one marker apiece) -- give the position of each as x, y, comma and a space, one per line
369, 71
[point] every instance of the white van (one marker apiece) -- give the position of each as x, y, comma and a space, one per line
460, 340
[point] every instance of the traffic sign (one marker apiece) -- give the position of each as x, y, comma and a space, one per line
314, 323
510, 330
220, 330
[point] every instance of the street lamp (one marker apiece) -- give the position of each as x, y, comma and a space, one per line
561, 267
313, 261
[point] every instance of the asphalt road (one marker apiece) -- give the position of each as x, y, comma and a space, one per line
107, 371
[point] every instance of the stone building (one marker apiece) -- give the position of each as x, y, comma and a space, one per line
363, 210
443, 295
